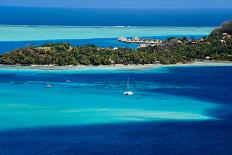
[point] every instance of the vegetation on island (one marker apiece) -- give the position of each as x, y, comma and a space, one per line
225, 28
217, 46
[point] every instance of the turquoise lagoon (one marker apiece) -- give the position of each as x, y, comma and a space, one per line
33, 33
95, 96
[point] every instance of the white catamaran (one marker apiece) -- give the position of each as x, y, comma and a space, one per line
128, 92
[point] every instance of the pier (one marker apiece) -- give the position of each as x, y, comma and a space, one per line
142, 42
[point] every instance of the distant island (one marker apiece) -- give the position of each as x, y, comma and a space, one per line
216, 47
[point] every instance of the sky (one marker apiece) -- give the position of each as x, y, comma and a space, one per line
120, 3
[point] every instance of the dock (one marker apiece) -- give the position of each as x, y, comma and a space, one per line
142, 42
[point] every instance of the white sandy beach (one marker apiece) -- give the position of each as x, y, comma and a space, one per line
113, 67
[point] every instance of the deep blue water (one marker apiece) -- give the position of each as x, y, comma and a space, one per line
210, 83
6, 46
113, 17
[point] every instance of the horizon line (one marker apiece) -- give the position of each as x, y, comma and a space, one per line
148, 8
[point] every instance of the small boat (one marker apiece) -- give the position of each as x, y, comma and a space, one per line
49, 86
68, 81
128, 92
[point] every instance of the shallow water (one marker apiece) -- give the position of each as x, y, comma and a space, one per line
96, 96
29, 33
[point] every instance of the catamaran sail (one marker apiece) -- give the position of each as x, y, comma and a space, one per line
128, 92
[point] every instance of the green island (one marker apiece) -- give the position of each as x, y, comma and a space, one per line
216, 47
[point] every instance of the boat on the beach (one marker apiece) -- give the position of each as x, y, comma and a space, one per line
128, 92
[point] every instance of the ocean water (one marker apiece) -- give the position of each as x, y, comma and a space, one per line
175, 110
18, 28
29, 33
12, 37
113, 17
92, 97
173, 107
